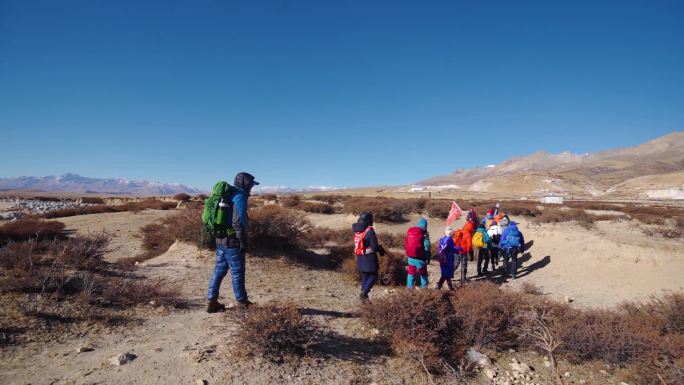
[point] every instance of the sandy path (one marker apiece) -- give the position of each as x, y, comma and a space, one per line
124, 228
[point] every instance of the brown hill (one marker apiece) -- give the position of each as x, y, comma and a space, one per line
654, 169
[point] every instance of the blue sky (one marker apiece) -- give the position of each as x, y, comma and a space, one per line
346, 93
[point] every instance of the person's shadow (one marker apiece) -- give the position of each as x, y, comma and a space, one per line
528, 269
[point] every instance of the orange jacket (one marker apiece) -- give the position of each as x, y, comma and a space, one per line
467, 237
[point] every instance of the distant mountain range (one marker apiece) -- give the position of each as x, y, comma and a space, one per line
79, 184
654, 169
292, 190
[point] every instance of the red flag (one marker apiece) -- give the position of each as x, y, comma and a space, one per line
454, 213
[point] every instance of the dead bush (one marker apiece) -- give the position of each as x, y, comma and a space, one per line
269, 197
25, 229
319, 208
183, 225
92, 200
291, 201
99, 209
182, 197
438, 208
124, 292
277, 228
329, 198
392, 269
383, 209
420, 326
487, 316
277, 330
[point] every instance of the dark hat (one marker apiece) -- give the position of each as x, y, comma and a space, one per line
245, 180
366, 218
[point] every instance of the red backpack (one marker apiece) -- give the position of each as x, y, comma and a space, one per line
415, 237
359, 247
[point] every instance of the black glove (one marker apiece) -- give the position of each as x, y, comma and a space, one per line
381, 250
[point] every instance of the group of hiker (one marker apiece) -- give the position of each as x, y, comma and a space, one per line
490, 239
225, 222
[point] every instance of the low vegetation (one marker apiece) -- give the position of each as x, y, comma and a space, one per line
66, 279
99, 209
433, 328
276, 331
25, 229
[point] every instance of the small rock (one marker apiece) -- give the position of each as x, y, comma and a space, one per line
582, 381
478, 358
122, 359
515, 360
624, 383
375, 331
83, 349
603, 371
506, 383
490, 373
547, 364
152, 303
201, 382
566, 374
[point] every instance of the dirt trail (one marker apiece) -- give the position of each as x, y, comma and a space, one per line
182, 346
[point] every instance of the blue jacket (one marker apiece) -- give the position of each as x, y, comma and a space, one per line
508, 242
240, 218
422, 223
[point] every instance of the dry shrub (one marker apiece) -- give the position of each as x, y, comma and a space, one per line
438, 208
183, 225
392, 269
291, 201
383, 209
319, 208
274, 331
25, 229
124, 292
182, 197
201, 197
92, 200
487, 316
530, 289
277, 228
99, 209
420, 326
584, 219
329, 199
269, 197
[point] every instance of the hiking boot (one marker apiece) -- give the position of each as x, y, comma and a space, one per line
214, 306
244, 304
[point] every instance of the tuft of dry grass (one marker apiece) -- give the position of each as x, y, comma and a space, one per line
99, 209
275, 331
25, 229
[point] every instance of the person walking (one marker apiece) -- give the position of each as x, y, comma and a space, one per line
447, 250
494, 233
481, 243
231, 239
467, 231
418, 253
512, 242
366, 250
461, 255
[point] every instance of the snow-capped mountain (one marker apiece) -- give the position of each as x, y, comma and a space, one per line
79, 184
291, 190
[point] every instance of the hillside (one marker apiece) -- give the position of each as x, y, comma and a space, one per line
652, 169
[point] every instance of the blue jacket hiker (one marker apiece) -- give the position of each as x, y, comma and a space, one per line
447, 249
232, 246
512, 242
366, 249
417, 264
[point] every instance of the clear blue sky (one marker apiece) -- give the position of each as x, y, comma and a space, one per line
343, 93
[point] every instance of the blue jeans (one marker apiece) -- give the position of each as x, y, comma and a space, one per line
228, 258
367, 282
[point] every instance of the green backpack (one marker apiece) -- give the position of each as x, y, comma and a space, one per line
217, 216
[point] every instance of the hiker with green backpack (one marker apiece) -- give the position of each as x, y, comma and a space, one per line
224, 220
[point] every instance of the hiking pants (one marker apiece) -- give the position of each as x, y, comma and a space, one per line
367, 282
494, 257
417, 267
511, 261
441, 281
462, 259
228, 258
482, 256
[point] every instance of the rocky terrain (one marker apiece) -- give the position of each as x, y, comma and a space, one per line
16, 208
